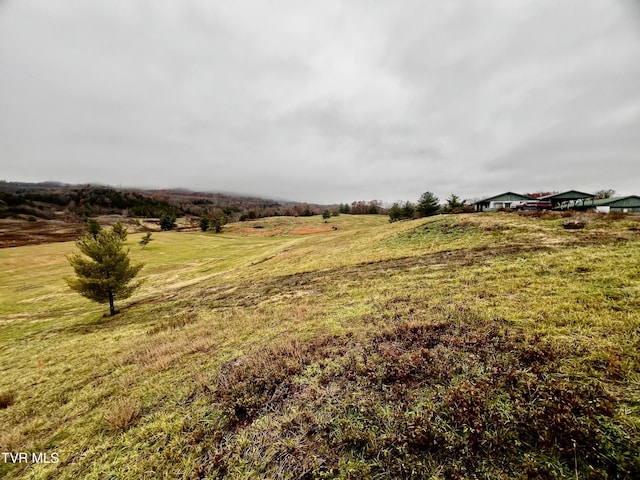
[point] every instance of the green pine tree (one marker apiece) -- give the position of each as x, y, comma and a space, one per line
395, 212
167, 222
144, 241
103, 269
428, 204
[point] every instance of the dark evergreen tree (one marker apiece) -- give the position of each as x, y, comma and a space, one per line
454, 204
408, 210
428, 204
107, 274
395, 213
344, 208
167, 222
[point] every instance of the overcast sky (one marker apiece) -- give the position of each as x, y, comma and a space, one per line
323, 101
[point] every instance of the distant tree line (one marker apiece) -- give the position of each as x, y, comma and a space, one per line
48, 200
86, 202
360, 207
428, 204
90, 201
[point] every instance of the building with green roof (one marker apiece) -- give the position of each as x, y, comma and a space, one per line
560, 199
504, 200
628, 204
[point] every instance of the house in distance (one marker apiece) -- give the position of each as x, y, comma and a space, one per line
504, 200
569, 200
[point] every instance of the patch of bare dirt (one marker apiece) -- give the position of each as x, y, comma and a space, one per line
16, 233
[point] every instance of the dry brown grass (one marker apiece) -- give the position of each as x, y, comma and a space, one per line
546, 214
312, 230
11, 438
157, 354
122, 413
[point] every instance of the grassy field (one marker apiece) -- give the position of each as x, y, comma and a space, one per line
468, 346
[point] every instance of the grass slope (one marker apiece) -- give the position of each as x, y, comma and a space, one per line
470, 346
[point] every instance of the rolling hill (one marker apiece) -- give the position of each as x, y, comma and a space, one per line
458, 346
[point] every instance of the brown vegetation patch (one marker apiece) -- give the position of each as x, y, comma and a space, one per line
16, 233
546, 214
464, 398
245, 392
122, 413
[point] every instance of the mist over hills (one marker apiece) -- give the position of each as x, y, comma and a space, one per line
49, 199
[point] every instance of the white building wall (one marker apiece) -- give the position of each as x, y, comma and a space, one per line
506, 204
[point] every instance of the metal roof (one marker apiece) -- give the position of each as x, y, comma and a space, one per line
620, 202
509, 196
568, 195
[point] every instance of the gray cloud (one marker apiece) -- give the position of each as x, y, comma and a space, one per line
322, 101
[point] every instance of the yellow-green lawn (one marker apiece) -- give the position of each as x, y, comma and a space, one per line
157, 391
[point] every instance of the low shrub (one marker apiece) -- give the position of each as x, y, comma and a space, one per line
7, 398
